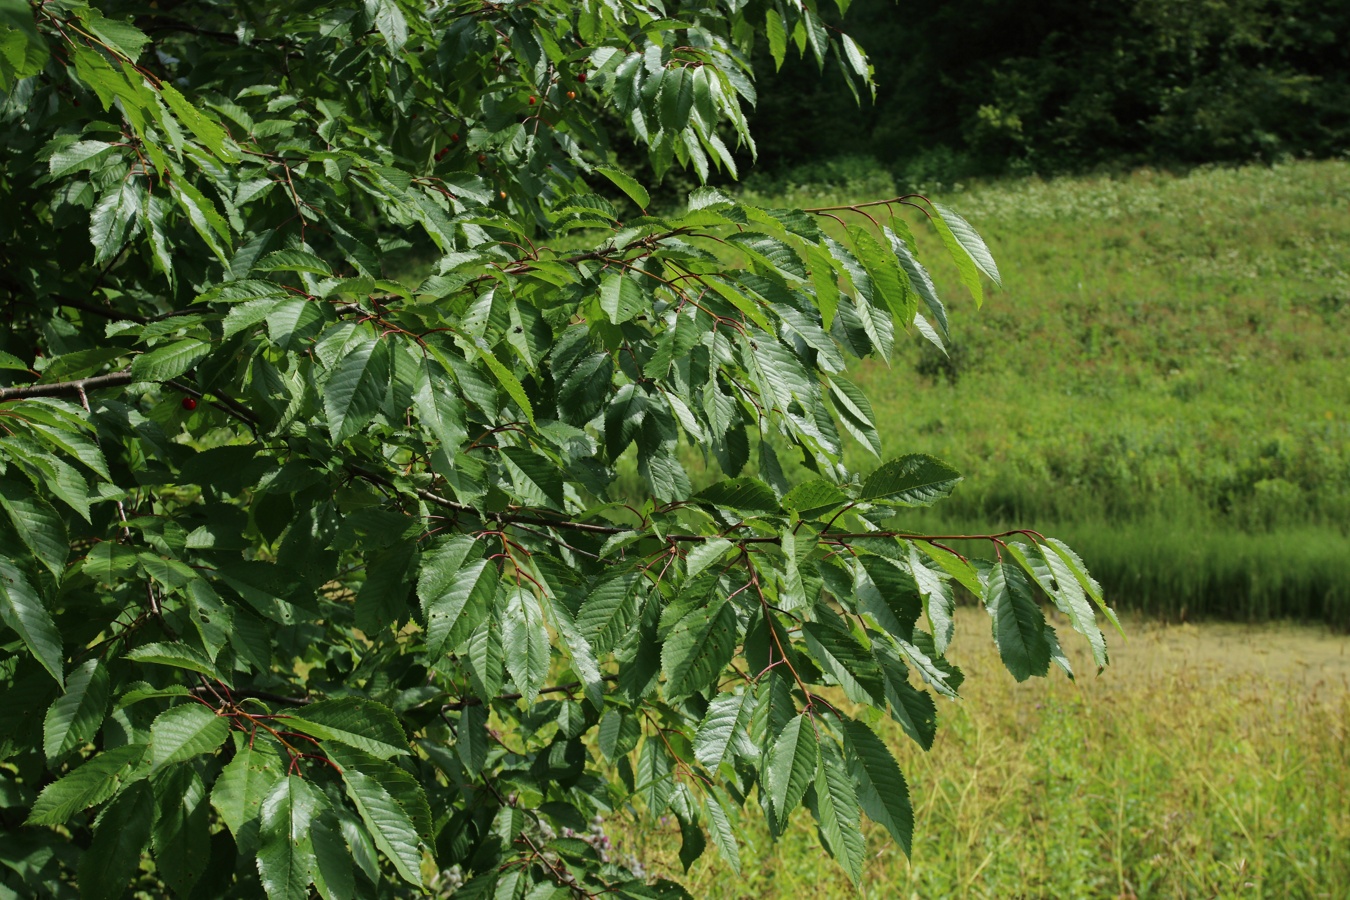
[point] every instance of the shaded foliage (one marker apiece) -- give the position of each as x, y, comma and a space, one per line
992, 86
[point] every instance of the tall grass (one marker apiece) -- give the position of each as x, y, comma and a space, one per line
1207, 761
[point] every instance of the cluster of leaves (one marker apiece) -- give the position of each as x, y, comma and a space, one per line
316, 577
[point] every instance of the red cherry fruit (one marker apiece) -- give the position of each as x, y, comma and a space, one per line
571, 95
532, 100
581, 76
503, 193
189, 404
440, 154
482, 157
454, 138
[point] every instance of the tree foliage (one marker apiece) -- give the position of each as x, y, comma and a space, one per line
1064, 85
317, 575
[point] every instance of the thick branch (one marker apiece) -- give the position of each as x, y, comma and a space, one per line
66, 388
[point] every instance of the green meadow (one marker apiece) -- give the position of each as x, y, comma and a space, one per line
1163, 381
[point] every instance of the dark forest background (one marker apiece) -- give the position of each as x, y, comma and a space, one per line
990, 87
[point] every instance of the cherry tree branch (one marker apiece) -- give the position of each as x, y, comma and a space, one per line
66, 388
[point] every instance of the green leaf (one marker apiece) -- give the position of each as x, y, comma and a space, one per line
72, 443
1088, 583
699, 647
177, 655
919, 279
704, 554
77, 157
74, 718
621, 298
770, 251
201, 124
677, 99
57, 476
966, 248
22, 610
883, 270
855, 412
538, 481
439, 408
382, 601
392, 25
509, 383
165, 363
825, 281
91, 783
723, 834
37, 524
455, 607
525, 641
625, 183
889, 594
723, 729
618, 733
355, 391
114, 855
286, 854
23, 51
912, 708
390, 826
1019, 626
954, 566
837, 811
655, 775
239, 790
913, 480
583, 659
777, 34
748, 495
812, 499
932, 668
184, 731
181, 834
624, 415
839, 654
292, 261
332, 871
1070, 597
116, 209
118, 35
355, 721
882, 791
692, 839
857, 60
791, 765
205, 219
608, 611
471, 738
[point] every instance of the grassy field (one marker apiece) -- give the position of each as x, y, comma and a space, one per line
1163, 381
1208, 760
